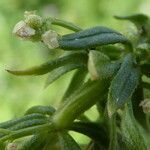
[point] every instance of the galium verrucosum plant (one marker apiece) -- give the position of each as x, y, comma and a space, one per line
116, 66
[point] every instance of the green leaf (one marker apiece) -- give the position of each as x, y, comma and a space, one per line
77, 58
13, 122
48, 127
138, 19
100, 66
91, 38
45, 110
76, 81
95, 131
130, 130
67, 142
145, 69
58, 72
123, 84
112, 51
28, 123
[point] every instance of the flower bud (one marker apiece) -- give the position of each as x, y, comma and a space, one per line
50, 38
34, 21
11, 146
22, 30
145, 105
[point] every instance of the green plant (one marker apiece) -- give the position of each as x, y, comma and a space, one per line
116, 86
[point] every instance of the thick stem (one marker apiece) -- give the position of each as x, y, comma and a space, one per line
84, 98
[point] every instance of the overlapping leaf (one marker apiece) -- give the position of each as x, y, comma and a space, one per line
123, 84
100, 66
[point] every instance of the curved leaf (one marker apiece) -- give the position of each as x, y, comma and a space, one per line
93, 130
131, 132
79, 58
91, 38
138, 19
100, 66
123, 84
45, 110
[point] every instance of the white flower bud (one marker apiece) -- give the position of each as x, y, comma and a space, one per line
34, 21
50, 38
91, 68
145, 105
27, 13
22, 30
11, 146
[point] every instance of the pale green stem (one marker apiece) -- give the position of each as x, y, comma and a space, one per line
64, 24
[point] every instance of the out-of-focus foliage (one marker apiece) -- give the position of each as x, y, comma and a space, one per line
17, 94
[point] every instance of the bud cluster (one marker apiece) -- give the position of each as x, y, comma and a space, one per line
33, 28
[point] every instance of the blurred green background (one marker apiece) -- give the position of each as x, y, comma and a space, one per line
19, 93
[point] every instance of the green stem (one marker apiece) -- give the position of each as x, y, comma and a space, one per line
84, 98
64, 24
113, 133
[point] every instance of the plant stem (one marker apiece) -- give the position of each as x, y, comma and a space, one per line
65, 24
79, 102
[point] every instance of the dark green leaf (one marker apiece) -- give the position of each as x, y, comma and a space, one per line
123, 84
145, 68
138, 19
131, 132
91, 38
67, 142
77, 58
28, 123
45, 110
93, 130
100, 66
13, 122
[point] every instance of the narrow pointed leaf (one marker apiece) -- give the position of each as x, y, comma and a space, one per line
58, 72
93, 130
45, 110
123, 84
76, 81
138, 19
78, 58
132, 135
67, 142
13, 122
